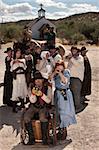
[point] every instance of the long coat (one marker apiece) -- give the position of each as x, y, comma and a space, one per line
8, 79
86, 84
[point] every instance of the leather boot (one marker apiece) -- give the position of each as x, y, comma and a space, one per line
30, 133
14, 109
64, 135
44, 130
22, 103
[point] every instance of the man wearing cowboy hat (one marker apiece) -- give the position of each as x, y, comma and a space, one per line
86, 84
39, 100
54, 55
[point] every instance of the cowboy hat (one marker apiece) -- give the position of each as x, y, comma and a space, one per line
83, 49
38, 75
8, 49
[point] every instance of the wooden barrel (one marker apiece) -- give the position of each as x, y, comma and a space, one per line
37, 130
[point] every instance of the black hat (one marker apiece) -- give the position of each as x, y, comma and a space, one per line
38, 75
8, 49
83, 49
73, 47
38, 57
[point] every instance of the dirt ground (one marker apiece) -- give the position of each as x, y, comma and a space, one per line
84, 135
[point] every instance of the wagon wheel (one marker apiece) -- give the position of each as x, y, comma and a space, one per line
23, 133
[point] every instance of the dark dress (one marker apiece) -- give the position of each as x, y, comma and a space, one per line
36, 56
50, 37
29, 71
86, 84
7, 84
52, 41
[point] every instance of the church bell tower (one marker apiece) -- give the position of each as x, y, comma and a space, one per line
41, 12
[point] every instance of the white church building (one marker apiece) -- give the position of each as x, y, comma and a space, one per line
38, 25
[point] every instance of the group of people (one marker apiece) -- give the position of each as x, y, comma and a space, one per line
45, 78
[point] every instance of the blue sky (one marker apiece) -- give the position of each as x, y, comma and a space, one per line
14, 10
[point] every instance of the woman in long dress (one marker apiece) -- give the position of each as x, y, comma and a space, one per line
18, 67
8, 79
63, 98
86, 84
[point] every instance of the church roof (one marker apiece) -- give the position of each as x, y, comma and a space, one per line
41, 10
32, 23
42, 27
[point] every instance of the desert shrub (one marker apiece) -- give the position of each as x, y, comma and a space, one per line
9, 32
95, 35
77, 37
87, 30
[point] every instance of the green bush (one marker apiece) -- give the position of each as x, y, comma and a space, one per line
77, 37
10, 32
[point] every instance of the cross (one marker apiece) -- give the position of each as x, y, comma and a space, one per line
41, 5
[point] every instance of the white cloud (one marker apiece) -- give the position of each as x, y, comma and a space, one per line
25, 0
22, 10
79, 8
22, 7
74, 9
56, 15
16, 17
51, 3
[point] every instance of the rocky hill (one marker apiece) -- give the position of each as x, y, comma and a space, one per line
79, 27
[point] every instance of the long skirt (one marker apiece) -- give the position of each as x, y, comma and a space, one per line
19, 87
7, 94
75, 86
86, 84
66, 109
